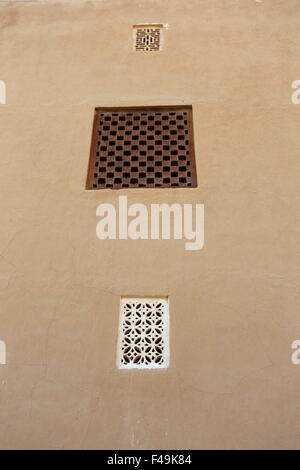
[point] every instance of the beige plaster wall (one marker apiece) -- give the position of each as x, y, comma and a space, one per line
234, 306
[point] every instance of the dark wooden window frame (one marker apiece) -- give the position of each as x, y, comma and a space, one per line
96, 144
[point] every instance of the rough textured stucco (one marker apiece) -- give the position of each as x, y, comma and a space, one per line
234, 306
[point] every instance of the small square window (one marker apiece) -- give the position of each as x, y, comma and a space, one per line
147, 38
143, 333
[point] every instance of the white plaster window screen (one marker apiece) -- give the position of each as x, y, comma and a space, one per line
148, 38
143, 334
2, 92
2, 353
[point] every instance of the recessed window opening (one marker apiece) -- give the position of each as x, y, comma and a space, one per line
148, 37
149, 147
143, 341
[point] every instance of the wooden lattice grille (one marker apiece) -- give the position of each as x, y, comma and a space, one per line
142, 148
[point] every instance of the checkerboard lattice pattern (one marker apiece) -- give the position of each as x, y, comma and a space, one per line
142, 148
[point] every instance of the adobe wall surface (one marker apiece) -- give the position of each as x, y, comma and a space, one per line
234, 306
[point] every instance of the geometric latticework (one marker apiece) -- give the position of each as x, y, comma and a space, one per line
143, 333
148, 147
147, 38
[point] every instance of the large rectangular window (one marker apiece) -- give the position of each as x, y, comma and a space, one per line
151, 147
